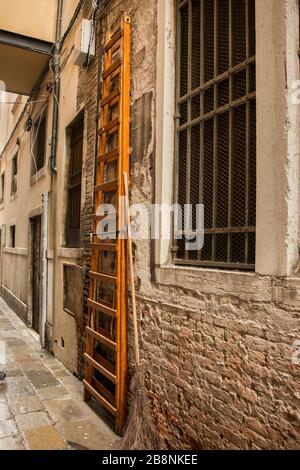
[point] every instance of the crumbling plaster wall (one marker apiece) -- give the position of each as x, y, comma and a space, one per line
217, 345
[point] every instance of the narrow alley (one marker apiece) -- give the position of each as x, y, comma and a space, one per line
149, 226
41, 405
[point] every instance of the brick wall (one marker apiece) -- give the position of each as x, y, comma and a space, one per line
218, 351
220, 369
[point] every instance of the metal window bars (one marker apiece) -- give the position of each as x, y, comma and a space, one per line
216, 128
106, 347
74, 183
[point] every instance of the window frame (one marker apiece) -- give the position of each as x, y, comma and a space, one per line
72, 235
38, 158
2, 196
12, 236
14, 174
234, 103
277, 250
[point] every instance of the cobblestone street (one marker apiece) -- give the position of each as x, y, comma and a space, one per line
41, 406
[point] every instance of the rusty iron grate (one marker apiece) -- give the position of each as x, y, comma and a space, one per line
74, 183
216, 128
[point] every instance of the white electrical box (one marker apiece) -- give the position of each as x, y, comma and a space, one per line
84, 46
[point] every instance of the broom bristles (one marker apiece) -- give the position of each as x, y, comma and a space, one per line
140, 432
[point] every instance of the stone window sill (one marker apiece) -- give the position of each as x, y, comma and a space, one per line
37, 176
16, 251
73, 253
69, 312
247, 286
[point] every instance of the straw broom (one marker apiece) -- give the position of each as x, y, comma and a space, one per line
140, 432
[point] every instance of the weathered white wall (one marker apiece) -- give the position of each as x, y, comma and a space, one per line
277, 137
16, 208
11, 106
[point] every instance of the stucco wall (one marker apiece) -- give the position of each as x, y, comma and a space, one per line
10, 109
64, 334
17, 208
29, 20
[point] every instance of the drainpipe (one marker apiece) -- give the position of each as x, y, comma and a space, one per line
56, 88
53, 195
45, 270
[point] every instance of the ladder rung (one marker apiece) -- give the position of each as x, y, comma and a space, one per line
109, 215
114, 39
100, 398
109, 126
110, 397
112, 68
105, 246
101, 369
109, 156
102, 339
106, 187
104, 362
114, 94
96, 306
103, 277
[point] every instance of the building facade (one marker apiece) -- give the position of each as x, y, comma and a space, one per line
215, 120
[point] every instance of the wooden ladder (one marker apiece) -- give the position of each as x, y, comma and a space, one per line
106, 343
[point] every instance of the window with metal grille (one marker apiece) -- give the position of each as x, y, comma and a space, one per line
216, 128
75, 134
12, 236
14, 174
39, 149
2, 189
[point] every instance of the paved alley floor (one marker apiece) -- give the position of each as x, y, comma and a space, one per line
41, 405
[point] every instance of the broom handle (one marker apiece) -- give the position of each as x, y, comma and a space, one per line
129, 239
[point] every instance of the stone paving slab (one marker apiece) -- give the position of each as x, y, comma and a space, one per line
4, 412
63, 409
26, 404
11, 443
41, 405
82, 433
44, 438
32, 420
8, 428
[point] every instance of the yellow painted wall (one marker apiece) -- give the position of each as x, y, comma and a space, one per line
17, 209
34, 18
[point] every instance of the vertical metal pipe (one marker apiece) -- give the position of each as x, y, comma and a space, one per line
55, 115
56, 88
44, 270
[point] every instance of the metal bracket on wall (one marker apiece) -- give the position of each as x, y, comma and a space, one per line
106, 344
